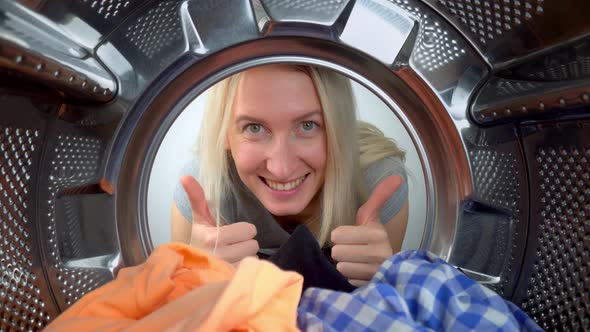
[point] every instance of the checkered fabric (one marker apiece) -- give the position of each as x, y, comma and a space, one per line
412, 291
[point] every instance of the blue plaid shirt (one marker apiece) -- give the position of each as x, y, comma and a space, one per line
416, 291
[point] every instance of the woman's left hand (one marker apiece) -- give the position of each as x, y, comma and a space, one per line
362, 248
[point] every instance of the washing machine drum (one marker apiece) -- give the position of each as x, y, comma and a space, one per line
493, 94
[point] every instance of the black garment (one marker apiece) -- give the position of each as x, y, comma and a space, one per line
302, 254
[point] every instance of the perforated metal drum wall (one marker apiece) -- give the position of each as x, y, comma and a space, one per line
59, 247
488, 20
495, 222
555, 285
570, 63
507, 30
76, 155
500, 86
159, 28
19, 290
25, 299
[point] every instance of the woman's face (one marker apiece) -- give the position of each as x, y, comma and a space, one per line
277, 138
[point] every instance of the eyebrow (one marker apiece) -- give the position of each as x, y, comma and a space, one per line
257, 120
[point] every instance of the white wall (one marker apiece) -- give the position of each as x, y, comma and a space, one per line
176, 151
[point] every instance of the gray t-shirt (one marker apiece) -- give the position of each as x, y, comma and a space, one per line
242, 205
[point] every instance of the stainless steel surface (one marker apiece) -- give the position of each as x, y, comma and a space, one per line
444, 60
544, 86
444, 71
88, 22
507, 32
73, 231
25, 297
494, 221
503, 100
155, 30
19, 291
36, 47
30, 29
260, 14
305, 11
430, 68
392, 28
143, 46
191, 35
234, 23
569, 62
554, 286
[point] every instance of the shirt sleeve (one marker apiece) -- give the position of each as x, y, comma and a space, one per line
380, 170
180, 197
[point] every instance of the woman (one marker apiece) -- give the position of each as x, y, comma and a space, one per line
280, 146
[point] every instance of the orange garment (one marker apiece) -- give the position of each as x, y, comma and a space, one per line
180, 288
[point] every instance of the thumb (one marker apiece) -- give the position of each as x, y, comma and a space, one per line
196, 196
370, 211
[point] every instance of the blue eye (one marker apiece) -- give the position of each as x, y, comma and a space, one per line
308, 126
253, 128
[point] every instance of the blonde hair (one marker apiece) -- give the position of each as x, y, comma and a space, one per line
374, 146
346, 139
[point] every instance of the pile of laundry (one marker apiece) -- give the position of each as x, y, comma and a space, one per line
180, 288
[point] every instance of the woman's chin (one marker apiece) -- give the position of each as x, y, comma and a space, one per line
284, 211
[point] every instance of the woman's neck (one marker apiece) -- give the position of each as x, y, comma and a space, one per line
308, 217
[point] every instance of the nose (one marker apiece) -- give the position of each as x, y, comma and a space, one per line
281, 159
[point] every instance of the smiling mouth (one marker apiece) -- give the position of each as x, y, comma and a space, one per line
284, 186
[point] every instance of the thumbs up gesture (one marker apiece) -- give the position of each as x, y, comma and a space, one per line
231, 242
362, 248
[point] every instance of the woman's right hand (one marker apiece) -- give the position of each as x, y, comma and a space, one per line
234, 241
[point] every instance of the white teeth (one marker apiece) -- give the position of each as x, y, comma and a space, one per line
285, 186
